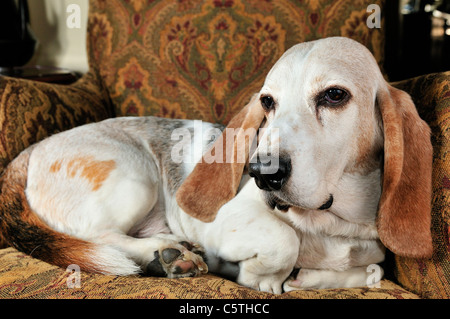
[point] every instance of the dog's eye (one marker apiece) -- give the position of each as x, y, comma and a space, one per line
267, 103
334, 96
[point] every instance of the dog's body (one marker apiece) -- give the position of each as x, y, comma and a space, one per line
113, 185
125, 204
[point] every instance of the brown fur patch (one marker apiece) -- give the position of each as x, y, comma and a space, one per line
21, 228
56, 166
370, 148
96, 172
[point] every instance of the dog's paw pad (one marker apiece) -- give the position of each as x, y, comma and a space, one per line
175, 262
183, 267
180, 266
170, 254
155, 268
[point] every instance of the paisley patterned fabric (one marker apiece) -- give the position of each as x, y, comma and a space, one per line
30, 111
204, 59
24, 277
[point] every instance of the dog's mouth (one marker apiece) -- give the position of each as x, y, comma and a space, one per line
328, 203
274, 202
280, 206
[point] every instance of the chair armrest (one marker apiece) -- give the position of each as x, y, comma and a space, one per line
31, 111
430, 93
431, 278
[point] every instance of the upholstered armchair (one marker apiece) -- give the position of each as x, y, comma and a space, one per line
203, 59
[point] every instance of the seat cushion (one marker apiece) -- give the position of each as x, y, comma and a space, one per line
22, 276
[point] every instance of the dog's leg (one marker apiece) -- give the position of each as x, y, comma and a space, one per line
247, 233
337, 262
322, 278
162, 255
264, 272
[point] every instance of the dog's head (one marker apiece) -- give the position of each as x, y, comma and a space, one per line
330, 120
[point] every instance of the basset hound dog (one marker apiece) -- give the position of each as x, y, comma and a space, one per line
326, 167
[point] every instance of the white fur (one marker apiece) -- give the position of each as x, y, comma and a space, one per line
333, 247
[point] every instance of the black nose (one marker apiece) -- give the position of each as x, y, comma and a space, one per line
268, 174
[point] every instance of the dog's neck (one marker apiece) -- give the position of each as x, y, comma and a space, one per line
357, 197
354, 208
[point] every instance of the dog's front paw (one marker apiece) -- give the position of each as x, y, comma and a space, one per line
298, 281
311, 279
181, 260
268, 282
253, 274
327, 278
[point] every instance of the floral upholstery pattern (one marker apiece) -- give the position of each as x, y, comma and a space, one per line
204, 59
26, 277
30, 111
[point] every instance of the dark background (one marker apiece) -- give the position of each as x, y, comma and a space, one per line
417, 37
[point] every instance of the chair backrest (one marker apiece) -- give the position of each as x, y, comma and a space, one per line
203, 59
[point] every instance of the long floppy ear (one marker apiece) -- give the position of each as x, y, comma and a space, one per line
404, 215
213, 183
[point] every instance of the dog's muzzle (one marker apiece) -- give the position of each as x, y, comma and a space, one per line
271, 179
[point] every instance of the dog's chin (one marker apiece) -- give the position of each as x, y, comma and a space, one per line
281, 206
273, 201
